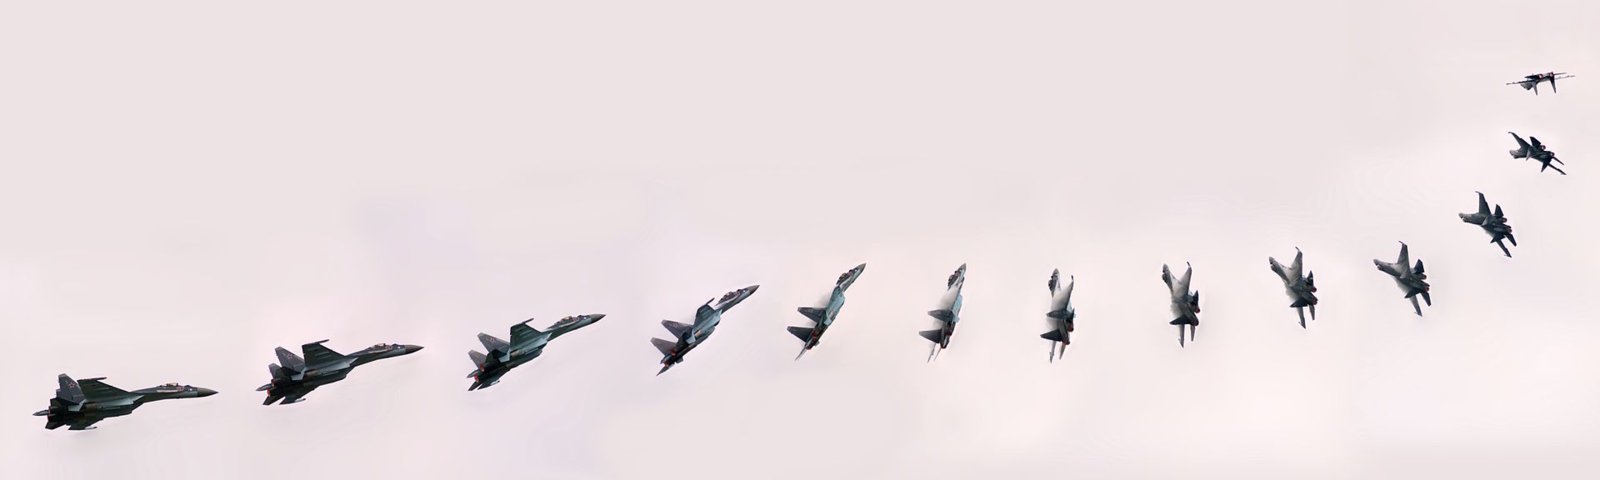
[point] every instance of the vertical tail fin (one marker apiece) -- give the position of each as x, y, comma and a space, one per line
68, 391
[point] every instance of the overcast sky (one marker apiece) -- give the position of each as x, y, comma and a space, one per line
187, 185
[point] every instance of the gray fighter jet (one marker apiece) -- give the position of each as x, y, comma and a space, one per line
1412, 280
1185, 303
297, 377
947, 316
1531, 82
79, 404
706, 319
1061, 315
1493, 223
526, 344
1302, 290
823, 317
1532, 148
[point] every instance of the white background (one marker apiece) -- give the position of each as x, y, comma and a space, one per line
188, 184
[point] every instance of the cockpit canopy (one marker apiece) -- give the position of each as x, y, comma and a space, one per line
381, 346
565, 321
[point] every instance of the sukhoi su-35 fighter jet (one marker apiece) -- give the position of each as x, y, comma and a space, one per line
1532, 148
1185, 303
1411, 280
947, 316
1061, 316
1531, 82
1302, 290
823, 317
706, 319
78, 404
526, 344
294, 377
1492, 222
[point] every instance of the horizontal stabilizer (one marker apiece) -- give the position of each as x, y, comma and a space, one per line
478, 358
1061, 314
677, 329
1180, 321
944, 315
1053, 335
815, 314
665, 346
802, 333
935, 336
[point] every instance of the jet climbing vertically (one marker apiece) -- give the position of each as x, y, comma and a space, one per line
1185, 303
1302, 290
948, 315
823, 317
1061, 316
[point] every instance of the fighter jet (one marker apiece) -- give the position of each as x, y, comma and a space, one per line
1531, 82
1061, 315
1302, 290
1493, 223
1412, 280
1185, 303
79, 404
947, 316
1537, 151
823, 317
526, 344
297, 377
705, 322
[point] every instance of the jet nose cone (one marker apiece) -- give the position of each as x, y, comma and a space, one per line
596, 317
753, 288
409, 349
204, 392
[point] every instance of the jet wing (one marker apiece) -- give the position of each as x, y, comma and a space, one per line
94, 389
1296, 266
318, 355
522, 333
1523, 144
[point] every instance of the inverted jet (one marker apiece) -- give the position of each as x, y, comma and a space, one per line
1531, 82
1061, 315
823, 317
526, 344
1302, 290
78, 404
1492, 222
1532, 148
948, 315
1185, 303
706, 319
1412, 280
293, 377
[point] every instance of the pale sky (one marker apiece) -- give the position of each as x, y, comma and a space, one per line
190, 184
